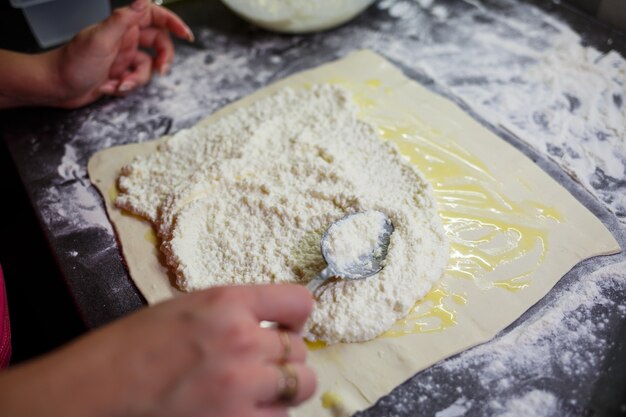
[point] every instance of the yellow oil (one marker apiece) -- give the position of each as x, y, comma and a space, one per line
331, 400
430, 314
373, 82
317, 345
511, 284
487, 230
459, 299
113, 193
473, 210
151, 237
361, 96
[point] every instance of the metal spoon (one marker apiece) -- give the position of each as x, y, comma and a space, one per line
363, 266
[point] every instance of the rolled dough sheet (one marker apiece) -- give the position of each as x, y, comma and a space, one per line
514, 231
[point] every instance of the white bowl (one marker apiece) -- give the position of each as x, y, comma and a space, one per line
297, 16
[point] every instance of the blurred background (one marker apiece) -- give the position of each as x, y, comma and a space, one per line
31, 25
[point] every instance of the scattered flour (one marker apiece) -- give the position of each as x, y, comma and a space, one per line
535, 403
563, 98
457, 409
425, 3
440, 12
247, 199
527, 371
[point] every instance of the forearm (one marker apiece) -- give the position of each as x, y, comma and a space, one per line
111, 372
33, 390
71, 382
28, 80
26, 391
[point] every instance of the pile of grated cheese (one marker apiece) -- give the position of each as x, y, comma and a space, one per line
245, 200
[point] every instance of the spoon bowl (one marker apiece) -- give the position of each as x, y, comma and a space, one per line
355, 247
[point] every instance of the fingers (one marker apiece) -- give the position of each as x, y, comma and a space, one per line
270, 381
126, 53
137, 74
240, 366
140, 5
280, 346
287, 304
160, 41
140, 74
109, 87
256, 385
277, 411
163, 18
111, 31
141, 24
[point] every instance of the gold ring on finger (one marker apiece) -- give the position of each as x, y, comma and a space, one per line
287, 384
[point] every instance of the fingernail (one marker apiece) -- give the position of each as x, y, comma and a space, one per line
126, 86
190, 36
140, 5
107, 89
164, 68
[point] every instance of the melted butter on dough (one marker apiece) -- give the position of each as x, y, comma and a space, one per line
247, 199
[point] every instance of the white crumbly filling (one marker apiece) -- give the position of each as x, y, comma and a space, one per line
354, 239
247, 199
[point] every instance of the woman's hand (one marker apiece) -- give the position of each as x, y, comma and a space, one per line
202, 354
103, 59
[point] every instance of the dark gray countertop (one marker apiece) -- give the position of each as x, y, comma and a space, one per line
231, 59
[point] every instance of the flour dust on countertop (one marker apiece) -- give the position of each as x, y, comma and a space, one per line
514, 65
567, 337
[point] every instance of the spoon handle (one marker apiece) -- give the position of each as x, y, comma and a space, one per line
315, 283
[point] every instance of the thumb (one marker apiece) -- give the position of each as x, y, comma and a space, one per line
111, 31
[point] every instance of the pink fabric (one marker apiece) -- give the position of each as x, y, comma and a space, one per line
5, 326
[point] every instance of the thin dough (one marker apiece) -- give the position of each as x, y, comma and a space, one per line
257, 189
360, 373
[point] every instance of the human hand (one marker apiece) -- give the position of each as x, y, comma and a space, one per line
202, 355
104, 59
